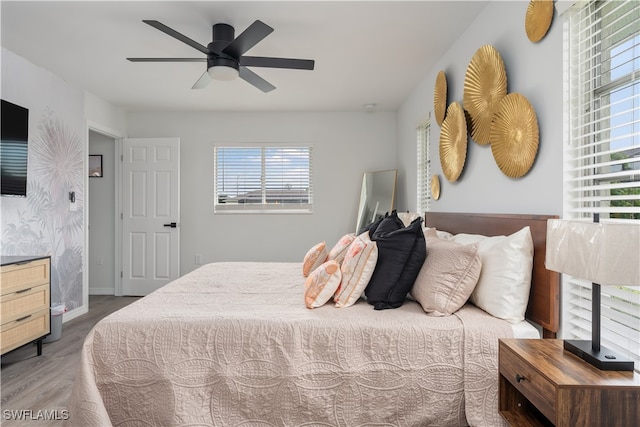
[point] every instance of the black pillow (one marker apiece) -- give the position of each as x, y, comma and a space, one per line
401, 253
372, 227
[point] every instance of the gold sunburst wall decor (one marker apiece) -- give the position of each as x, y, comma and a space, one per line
538, 19
515, 135
440, 97
453, 142
485, 84
435, 186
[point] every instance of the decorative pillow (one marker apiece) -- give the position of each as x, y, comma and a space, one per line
322, 283
314, 257
357, 268
401, 254
408, 217
448, 275
339, 251
439, 233
371, 228
505, 279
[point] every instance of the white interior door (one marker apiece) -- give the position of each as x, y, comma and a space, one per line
150, 213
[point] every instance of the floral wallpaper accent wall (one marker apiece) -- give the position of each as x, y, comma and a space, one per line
44, 223
48, 226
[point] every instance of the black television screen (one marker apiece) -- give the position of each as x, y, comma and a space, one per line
14, 133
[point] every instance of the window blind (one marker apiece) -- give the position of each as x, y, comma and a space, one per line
602, 157
263, 178
423, 169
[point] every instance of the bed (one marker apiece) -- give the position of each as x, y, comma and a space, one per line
233, 344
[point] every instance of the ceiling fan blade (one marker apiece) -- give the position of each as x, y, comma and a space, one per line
173, 33
261, 61
167, 59
249, 38
202, 82
251, 77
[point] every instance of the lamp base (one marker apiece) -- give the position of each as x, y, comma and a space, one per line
605, 359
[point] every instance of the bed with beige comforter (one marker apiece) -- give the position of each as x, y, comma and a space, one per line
232, 344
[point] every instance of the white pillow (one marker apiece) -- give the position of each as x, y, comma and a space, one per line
505, 278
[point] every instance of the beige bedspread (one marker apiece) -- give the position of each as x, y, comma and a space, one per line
233, 344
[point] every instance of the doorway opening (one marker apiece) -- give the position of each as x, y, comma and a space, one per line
101, 257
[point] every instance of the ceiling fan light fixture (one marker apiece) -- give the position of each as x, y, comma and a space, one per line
223, 72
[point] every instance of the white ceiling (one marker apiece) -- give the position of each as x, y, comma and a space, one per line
364, 51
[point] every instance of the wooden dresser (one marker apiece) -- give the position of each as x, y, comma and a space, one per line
25, 299
543, 385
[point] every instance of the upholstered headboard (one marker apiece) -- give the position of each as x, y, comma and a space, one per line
544, 298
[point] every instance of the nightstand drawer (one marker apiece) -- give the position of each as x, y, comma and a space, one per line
537, 389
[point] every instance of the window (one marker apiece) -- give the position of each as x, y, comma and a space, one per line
602, 157
424, 168
259, 178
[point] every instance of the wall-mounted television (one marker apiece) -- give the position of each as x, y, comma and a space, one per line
14, 134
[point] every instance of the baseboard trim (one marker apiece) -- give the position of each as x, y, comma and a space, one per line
102, 291
70, 315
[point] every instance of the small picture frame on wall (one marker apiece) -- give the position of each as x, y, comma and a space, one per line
95, 165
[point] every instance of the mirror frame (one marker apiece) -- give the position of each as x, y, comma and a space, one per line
367, 213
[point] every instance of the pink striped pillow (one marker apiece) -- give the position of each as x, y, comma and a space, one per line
357, 268
314, 258
339, 251
322, 284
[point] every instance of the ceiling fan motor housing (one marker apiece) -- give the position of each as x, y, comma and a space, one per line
221, 61
222, 35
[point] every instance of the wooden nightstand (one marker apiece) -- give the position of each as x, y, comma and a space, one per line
542, 385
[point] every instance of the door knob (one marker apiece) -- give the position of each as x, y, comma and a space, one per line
171, 224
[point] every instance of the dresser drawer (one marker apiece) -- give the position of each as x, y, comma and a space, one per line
24, 329
536, 388
24, 275
23, 302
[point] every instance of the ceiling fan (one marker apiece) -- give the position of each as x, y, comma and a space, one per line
225, 55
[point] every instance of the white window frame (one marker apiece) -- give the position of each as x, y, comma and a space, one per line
423, 171
264, 207
594, 156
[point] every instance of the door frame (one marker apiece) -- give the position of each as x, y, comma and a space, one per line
118, 137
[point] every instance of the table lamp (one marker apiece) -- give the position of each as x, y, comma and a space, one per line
606, 254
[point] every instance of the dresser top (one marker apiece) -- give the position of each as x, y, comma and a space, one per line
15, 259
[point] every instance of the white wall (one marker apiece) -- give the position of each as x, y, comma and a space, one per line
101, 256
104, 116
344, 146
534, 70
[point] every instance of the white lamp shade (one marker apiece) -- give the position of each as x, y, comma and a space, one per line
222, 72
604, 253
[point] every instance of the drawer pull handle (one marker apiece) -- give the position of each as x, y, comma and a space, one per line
520, 378
21, 291
23, 318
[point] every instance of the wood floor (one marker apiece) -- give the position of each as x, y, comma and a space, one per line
43, 383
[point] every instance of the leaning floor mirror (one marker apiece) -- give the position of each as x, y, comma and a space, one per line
377, 197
